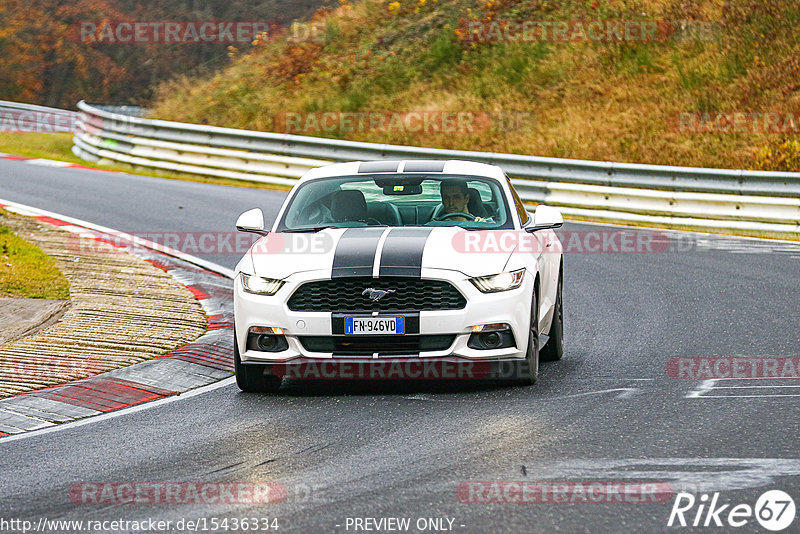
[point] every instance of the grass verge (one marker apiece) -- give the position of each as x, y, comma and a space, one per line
26, 271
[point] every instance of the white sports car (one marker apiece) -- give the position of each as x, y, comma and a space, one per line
399, 269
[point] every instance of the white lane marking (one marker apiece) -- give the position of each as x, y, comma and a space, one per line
23, 209
707, 474
623, 393
752, 387
376, 267
748, 396
706, 389
123, 411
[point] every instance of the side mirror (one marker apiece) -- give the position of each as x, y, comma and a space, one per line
251, 221
545, 217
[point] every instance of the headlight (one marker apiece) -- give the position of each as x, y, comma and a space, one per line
499, 282
260, 286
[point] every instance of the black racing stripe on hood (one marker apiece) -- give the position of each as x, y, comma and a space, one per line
402, 252
355, 252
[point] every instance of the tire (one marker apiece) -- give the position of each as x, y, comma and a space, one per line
253, 378
554, 349
527, 371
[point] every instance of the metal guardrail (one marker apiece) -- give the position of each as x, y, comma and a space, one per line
133, 111
22, 118
735, 201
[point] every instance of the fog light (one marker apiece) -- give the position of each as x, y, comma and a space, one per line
266, 339
491, 336
491, 340
267, 342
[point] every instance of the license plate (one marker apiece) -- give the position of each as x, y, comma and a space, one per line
374, 325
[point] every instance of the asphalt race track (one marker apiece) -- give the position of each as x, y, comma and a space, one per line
608, 412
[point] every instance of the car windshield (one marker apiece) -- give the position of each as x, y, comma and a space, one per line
471, 202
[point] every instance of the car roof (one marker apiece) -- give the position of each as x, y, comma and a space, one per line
389, 167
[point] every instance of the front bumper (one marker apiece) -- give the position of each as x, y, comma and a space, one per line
511, 307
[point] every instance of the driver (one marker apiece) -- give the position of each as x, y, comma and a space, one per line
455, 197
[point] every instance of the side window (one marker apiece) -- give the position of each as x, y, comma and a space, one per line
521, 211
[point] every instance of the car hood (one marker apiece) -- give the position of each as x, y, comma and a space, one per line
397, 251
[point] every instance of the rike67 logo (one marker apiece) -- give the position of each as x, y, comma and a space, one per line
774, 510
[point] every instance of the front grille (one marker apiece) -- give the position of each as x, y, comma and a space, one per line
384, 345
345, 295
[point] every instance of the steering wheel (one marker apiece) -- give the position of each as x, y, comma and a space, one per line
446, 216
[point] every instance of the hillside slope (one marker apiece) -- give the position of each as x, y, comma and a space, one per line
703, 82
49, 56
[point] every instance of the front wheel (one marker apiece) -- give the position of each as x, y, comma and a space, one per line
554, 349
252, 378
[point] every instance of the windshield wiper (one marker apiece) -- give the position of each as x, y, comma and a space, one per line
314, 229
308, 229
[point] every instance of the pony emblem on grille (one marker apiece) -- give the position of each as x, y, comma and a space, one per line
376, 294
